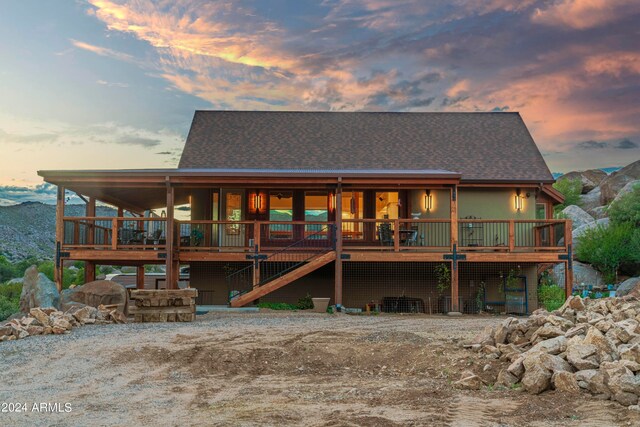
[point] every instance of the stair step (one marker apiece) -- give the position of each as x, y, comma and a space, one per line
313, 264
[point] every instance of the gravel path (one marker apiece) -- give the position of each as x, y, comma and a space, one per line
266, 368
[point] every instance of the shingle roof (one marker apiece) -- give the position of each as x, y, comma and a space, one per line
480, 146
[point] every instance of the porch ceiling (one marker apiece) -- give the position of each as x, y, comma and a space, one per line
143, 189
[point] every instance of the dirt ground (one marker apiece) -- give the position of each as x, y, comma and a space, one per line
274, 368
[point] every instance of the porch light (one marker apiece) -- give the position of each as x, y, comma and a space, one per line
518, 201
257, 201
332, 202
428, 201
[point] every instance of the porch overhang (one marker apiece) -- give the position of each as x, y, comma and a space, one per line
123, 187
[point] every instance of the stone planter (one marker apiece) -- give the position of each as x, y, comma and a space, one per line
320, 304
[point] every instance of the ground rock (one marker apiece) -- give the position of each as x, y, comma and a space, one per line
95, 293
469, 381
536, 380
565, 381
40, 316
555, 345
517, 367
583, 356
85, 314
546, 332
606, 350
37, 291
506, 379
502, 331
629, 287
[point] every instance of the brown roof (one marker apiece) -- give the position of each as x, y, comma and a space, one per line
480, 146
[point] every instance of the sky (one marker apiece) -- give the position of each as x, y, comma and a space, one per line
114, 84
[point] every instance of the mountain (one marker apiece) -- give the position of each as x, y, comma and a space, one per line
29, 229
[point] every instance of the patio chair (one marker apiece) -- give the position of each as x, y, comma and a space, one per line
385, 234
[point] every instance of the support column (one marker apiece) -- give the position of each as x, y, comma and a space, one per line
90, 267
59, 236
338, 237
140, 277
454, 248
171, 278
568, 265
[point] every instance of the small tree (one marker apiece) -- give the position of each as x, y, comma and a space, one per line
443, 277
571, 190
627, 208
606, 248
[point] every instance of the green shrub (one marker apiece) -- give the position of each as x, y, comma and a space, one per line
305, 303
277, 306
9, 299
571, 190
550, 296
627, 208
606, 248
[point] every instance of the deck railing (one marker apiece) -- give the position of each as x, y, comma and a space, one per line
357, 234
114, 233
397, 234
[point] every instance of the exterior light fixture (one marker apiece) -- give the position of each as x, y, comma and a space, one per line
518, 201
332, 202
257, 201
428, 201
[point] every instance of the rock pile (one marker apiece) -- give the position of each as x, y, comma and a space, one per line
586, 345
45, 321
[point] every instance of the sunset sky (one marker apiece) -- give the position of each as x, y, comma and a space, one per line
114, 84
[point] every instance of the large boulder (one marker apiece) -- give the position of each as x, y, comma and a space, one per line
577, 215
582, 273
614, 183
37, 291
629, 287
589, 179
628, 188
95, 293
591, 201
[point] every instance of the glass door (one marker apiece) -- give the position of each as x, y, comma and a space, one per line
281, 210
233, 210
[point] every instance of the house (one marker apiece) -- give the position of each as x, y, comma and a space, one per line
425, 212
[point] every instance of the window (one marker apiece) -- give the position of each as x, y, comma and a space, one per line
541, 211
352, 209
315, 210
280, 209
387, 205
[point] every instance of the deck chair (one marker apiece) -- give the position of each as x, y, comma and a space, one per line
385, 234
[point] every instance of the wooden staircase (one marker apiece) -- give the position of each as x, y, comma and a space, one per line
305, 268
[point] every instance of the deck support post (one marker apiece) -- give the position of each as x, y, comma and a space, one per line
338, 237
59, 236
170, 265
568, 265
140, 277
89, 266
454, 245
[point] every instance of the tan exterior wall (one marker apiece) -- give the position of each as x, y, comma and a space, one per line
494, 204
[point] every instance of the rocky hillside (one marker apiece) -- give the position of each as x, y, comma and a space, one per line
28, 229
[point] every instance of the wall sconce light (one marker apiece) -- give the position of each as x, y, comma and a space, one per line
428, 201
352, 205
332, 202
257, 201
518, 201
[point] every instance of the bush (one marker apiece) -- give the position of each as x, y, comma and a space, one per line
9, 299
305, 303
571, 190
627, 208
606, 248
277, 306
551, 296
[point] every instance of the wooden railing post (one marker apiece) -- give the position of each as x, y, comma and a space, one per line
568, 265
338, 236
256, 249
512, 235
114, 233
396, 235
170, 274
454, 245
59, 236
